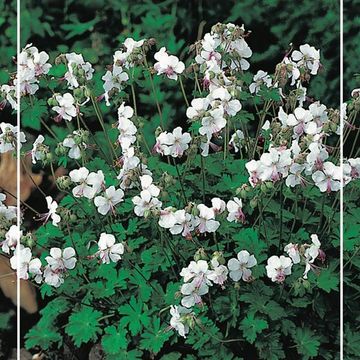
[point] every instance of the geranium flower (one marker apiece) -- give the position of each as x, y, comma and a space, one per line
65, 108
261, 78
35, 153
234, 208
278, 268
167, 64
110, 199
240, 267
23, 257
329, 178
12, 237
206, 222
178, 321
108, 250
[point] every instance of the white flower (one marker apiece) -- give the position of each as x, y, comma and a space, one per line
218, 205
295, 177
110, 199
329, 178
235, 141
108, 250
8, 92
254, 169
206, 222
198, 108
65, 108
144, 203
355, 168
292, 70
196, 270
75, 151
302, 122
315, 159
234, 208
58, 263
308, 57
193, 293
173, 144
89, 184
293, 251
12, 238
23, 257
8, 137
61, 260
311, 253
278, 268
168, 64
76, 65
240, 267
243, 51
218, 275
147, 186
231, 107
167, 218
261, 78
35, 153
127, 131
178, 319
275, 164
52, 206
184, 224
208, 53
113, 79
213, 123
126, 112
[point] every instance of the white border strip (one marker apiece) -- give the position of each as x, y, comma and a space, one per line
342, 181
18, 220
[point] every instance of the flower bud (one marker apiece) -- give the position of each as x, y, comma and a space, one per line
200, 255
253, 203
63, 182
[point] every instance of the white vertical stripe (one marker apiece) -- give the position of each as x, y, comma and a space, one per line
18, 343
342, 183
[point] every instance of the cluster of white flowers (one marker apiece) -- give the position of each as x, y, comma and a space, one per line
172, 143
147, 200
9, 136
91, 184
213, 111
116, 77
306, 253
79, 70
7, 213
168, 65
32, 65
305, 157
27, 266
278, 268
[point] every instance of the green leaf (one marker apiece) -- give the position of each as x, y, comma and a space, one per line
134, 316
328, 280
43, 337
154, 337
307, 342
251, 326
83, 325
114, 340
31, 115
